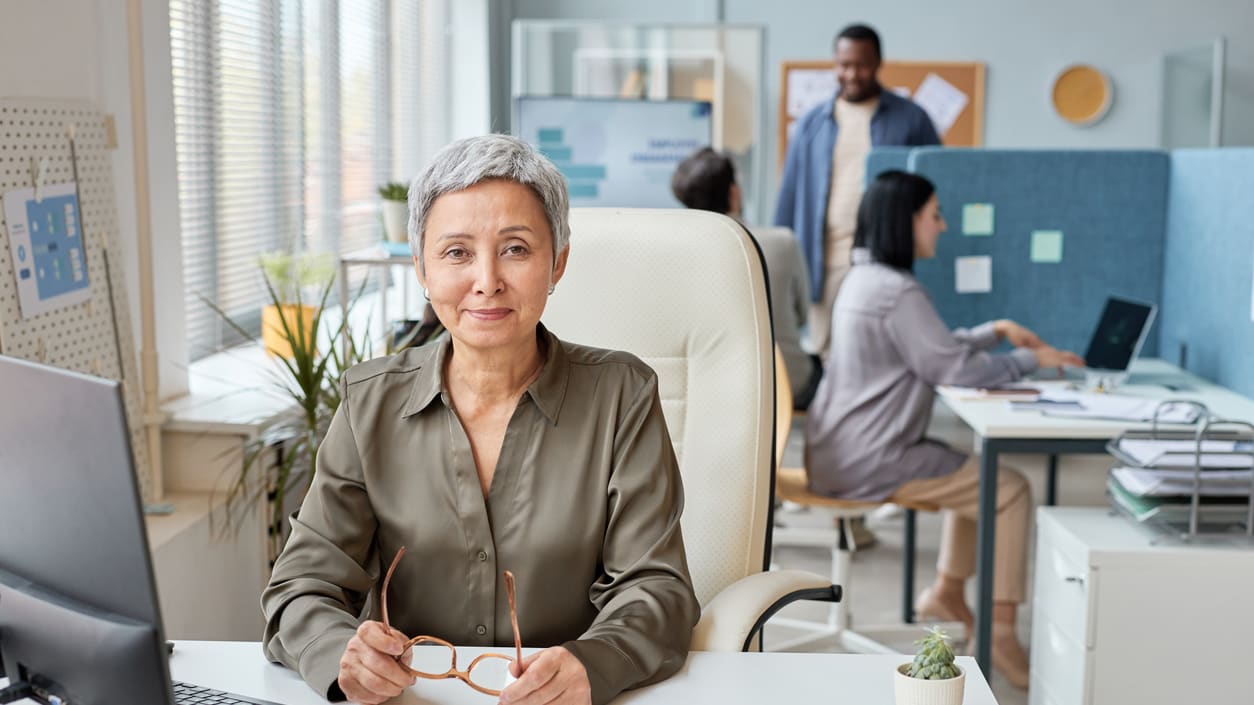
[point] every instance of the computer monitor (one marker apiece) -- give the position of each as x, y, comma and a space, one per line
78, 605
1119, 335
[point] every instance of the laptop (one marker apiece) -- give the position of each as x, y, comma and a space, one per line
1120, 333
79, 617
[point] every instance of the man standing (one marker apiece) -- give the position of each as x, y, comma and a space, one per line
824, 171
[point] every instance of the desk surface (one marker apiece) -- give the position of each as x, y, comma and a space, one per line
993, 418
724, 678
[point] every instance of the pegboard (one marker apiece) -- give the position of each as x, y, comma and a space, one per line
89, 337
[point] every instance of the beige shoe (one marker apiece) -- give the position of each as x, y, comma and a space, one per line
1009, 658
928, 607
863, 538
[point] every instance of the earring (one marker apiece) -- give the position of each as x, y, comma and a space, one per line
552, 287
426, 294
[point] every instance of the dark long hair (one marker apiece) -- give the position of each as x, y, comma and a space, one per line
886, 217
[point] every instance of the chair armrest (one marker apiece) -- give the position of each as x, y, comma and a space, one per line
736, 614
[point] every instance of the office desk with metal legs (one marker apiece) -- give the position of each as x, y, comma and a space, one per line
1000, 429
989, 449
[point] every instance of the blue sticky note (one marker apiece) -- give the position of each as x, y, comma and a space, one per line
977, 219
1047, 246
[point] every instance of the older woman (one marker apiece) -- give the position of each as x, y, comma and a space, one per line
865, 432
498, 447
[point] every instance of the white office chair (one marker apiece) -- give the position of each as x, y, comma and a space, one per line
685, 291
792, 485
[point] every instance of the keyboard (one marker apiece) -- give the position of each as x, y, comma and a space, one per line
188, 694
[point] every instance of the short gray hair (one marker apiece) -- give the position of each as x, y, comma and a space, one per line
473, 160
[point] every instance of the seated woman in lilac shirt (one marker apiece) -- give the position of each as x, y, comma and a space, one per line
865, 431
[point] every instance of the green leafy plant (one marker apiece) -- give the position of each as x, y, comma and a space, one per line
279, 462
934, 660
287, 274
394, 191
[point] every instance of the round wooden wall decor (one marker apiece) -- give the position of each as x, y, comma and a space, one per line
1082, 94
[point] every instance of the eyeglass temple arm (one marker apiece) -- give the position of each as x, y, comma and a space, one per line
383, 597
513, 617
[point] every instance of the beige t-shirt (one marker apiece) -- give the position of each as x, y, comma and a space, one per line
853, 143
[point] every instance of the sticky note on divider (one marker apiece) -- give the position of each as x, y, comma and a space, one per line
1047, 246
977, 219
973, 275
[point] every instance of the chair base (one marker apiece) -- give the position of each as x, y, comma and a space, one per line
838, 625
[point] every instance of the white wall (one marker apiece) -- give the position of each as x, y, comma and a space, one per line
1024, 44
88, 61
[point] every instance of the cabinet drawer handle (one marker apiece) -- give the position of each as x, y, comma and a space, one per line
1075, 579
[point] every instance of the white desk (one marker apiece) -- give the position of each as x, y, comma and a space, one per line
708, 677
999, 429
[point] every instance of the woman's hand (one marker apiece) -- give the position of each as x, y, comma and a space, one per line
1052, 357
369, 671
553, 676
1016, 334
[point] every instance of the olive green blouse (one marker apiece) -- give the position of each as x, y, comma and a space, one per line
583, 508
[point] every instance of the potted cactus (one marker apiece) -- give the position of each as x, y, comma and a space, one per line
931, 678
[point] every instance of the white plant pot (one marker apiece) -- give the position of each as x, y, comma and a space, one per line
396, 220
917, 691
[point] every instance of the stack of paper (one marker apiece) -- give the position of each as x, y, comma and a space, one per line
1015, 391
1148, 482
1091, 405
1183, 454
1176, 508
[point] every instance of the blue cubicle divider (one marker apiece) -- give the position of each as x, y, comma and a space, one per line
1209, 266
881, 159
1108, 205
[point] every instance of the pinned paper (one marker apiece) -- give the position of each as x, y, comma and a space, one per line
46, 243
1047, 246
941, 100
977, 219
973, 275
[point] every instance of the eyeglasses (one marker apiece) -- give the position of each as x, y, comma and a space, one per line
488, 673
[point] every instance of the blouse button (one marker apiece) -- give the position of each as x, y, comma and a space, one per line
481, 630
483, 556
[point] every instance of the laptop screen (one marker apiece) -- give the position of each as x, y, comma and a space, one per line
1120, 332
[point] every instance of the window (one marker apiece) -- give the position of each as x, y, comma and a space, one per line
288, 115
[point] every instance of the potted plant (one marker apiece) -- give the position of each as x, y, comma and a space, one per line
931, 678
286, 277
395, 211
278, 462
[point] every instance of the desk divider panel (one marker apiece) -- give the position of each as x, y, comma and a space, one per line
881, 159
1209, 265
1109, 205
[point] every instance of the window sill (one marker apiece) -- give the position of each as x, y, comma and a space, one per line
239, 390
234, 392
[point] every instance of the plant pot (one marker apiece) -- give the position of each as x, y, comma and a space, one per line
274, 339
396, 221
917, 691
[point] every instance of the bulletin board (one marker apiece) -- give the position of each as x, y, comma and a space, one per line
804, 84
91, 334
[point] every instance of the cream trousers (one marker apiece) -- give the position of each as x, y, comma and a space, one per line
959, 494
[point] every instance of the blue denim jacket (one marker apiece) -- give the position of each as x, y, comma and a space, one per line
807, 179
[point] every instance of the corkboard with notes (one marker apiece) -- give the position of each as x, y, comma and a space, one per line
953, 90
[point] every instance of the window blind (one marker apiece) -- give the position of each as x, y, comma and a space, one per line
288, 115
